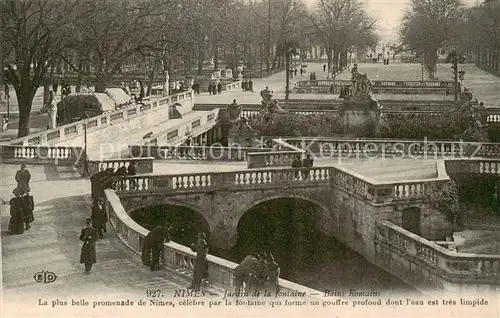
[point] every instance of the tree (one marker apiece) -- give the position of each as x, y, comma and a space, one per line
342, 25
430, 25
108, 33
35, 31
482, 34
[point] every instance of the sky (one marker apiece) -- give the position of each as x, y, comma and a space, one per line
388, 13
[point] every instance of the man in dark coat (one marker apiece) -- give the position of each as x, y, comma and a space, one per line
99, 217
95, 184
200, 262
16, 222
307, 163
273, 272
131, 171
214, 89
219, 88
297, 163
250, 85
23, 177
28, 207
88, 236
121, 172
153, 245
210, 88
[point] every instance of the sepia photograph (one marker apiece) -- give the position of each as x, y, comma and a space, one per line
250, 158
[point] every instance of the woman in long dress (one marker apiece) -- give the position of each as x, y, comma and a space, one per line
17, 214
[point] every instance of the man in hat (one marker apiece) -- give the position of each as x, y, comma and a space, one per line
88, 236
28, 207
153, 245
273, 271
99, 217
200, 261
23, 177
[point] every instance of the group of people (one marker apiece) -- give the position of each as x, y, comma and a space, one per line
255, 273
109, 178
196, 88
215, 88
152, 248
22, 204
303, 164
247, 85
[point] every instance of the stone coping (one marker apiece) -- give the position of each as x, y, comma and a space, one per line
106, 119
446, 252
125, 219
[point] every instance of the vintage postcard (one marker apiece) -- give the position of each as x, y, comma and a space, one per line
250, 158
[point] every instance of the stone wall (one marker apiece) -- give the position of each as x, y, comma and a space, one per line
223, 209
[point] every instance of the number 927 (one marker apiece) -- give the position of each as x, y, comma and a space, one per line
154, 293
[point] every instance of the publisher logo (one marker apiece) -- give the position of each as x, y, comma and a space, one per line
45, 277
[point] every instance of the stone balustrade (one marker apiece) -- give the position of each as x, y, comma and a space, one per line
40, 154
210, 181
472, 165
441, 262
380, 83
142, 165
273, 158
231, 86
178, 133
366, 148
194, 152
373, 191
178, 258
62, 133
328, 83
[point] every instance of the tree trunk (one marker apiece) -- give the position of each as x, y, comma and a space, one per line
79, 80
269, 32
287, 72
101, 82
25, 101
430, 60
151, 77
216, 56
329, 57
46, 89
201, 58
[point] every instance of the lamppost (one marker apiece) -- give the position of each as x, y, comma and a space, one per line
455, 58
290, 49
7, 97
85, 157
422, 67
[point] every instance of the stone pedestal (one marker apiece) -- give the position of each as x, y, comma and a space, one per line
357, 111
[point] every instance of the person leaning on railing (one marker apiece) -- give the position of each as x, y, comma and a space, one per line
297, 164
307, 163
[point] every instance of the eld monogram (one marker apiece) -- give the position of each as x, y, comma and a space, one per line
45, 277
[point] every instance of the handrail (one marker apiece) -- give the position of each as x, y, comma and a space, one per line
194, 152
74, 129
179, 258
389, 147
450, 265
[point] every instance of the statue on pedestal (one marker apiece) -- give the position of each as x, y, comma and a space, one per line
166, 85
51, 109
234, 112
361, 84
240, 132
268, 105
